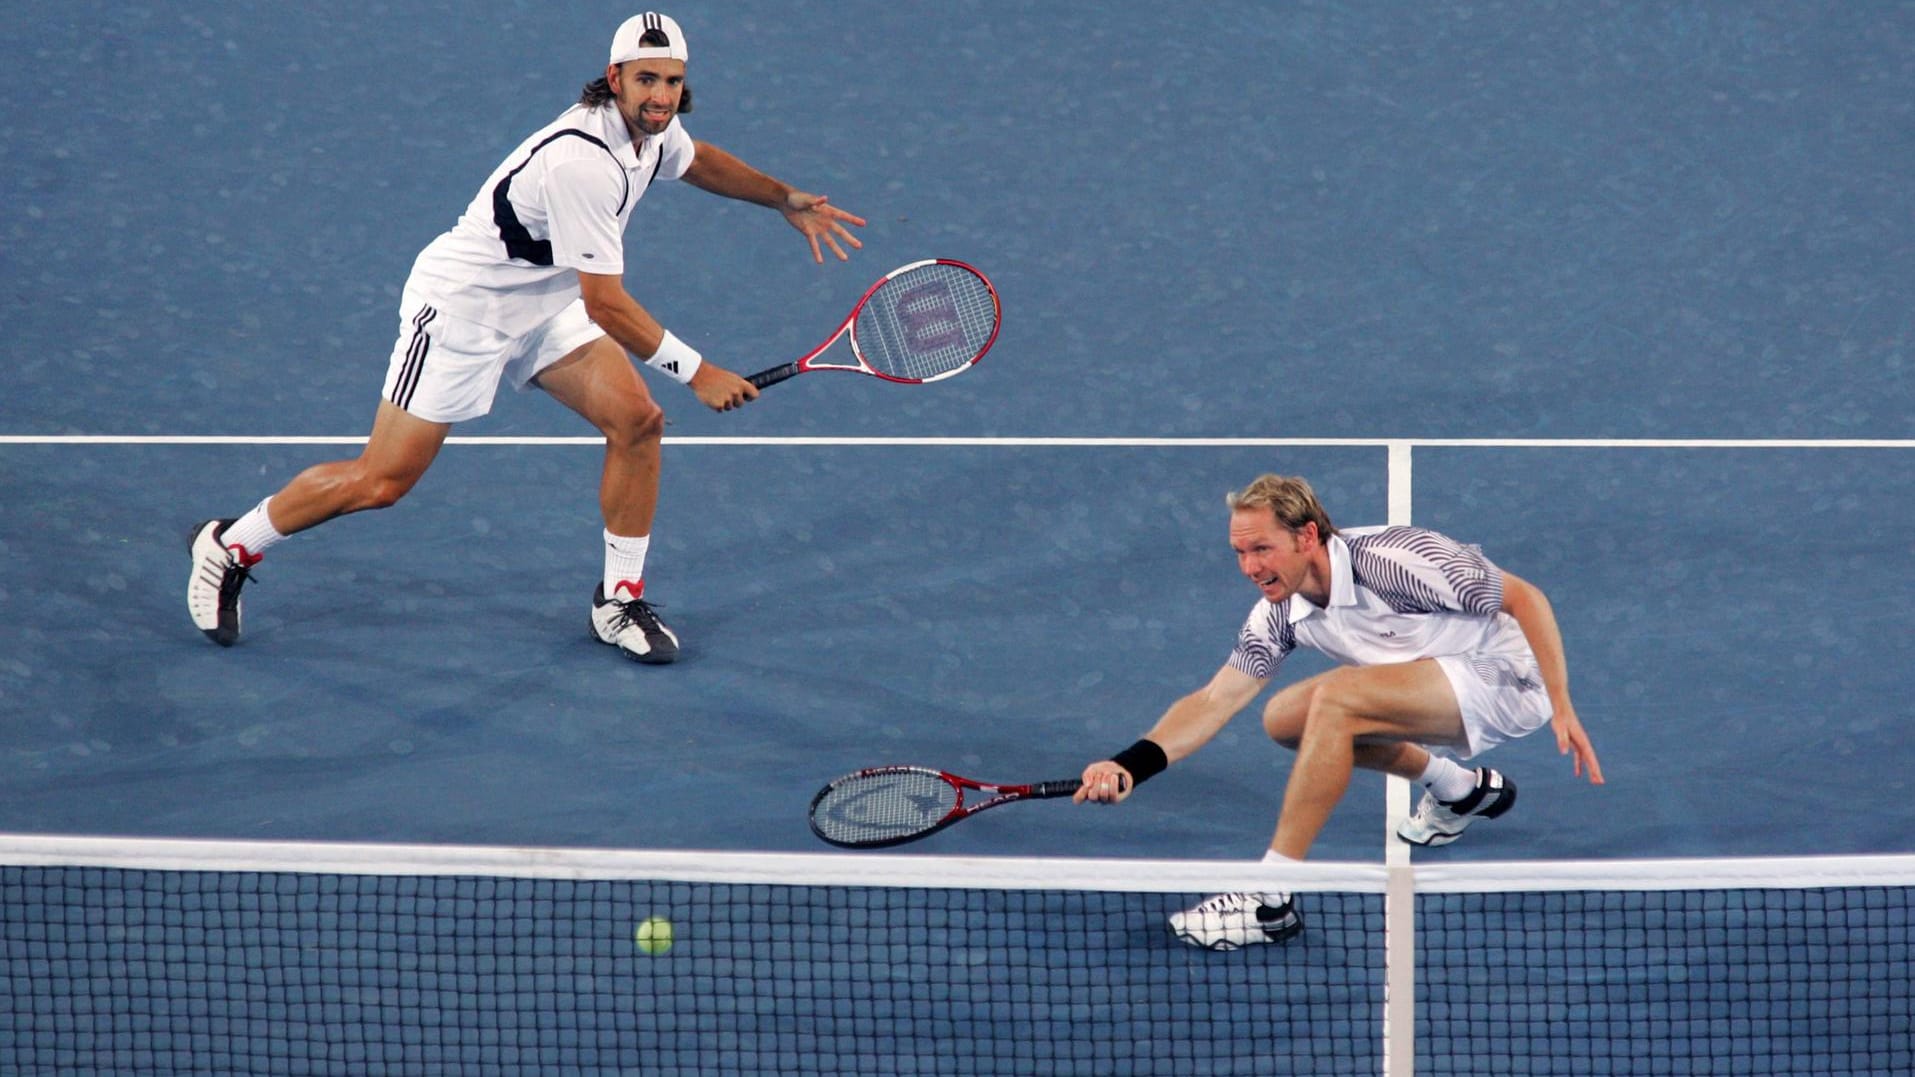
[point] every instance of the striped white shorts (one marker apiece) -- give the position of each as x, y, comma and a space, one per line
1501, 696
445, 369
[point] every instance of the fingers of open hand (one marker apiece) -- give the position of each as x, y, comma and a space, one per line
1574, 742
1591, 766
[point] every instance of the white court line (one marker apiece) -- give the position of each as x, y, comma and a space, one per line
1012, 442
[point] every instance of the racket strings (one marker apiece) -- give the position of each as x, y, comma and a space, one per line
934, 320
883, 806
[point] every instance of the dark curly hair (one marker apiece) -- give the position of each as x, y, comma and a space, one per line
599, 90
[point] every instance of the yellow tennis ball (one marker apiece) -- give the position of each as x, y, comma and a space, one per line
654, 936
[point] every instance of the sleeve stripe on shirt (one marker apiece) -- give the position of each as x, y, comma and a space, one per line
1419, 571
1262, 648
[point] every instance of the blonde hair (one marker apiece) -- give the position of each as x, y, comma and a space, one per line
1286, 497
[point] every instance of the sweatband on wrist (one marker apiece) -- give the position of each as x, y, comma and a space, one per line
1143, 759
677, 359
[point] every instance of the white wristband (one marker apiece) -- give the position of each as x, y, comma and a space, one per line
675, 358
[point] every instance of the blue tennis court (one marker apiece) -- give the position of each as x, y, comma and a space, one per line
1407, 221
1631, 286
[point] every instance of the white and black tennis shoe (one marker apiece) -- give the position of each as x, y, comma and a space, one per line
1439, 823
1231, 921
632, 625
212, 591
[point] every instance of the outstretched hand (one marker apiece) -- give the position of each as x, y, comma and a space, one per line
818, 219
1571, 738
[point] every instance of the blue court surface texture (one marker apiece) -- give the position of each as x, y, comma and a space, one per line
1586, 227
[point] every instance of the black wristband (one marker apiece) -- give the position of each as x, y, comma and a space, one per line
1143, 759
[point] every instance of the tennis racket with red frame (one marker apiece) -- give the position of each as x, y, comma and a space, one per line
891, 805
923, 322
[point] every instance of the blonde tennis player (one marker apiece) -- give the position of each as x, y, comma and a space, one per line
1438, 649
529, 286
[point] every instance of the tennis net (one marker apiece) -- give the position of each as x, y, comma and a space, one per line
223, 957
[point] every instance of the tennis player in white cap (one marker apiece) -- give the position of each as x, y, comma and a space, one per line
529, 287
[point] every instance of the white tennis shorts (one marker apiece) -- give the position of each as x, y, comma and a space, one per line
1501, 696
445, 369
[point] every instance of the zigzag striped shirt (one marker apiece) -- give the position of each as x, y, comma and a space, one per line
1397, 594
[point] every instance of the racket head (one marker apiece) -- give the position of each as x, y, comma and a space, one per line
881, 806
925, 322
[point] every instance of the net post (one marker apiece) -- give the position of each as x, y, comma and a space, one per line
1399, 896
1399, 963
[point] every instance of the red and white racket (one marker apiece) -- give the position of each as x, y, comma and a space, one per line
922, 322
882, 806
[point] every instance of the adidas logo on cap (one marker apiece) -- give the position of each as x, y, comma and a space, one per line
628, 43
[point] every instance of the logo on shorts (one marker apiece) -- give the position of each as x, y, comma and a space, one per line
587, 254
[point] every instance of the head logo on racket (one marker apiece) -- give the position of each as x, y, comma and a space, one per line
922, 322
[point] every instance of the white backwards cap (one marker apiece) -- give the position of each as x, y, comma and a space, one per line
625, 44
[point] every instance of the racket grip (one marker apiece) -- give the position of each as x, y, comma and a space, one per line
1061, 788
773, 376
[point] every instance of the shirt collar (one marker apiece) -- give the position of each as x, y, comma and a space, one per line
618, 137
1342, 583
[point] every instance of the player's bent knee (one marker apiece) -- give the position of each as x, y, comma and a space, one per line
1337, 688
643, 422
1283, 726
1344, 705
1332, 703
1284, 715
378, 489
384, 492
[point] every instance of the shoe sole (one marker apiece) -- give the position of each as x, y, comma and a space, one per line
1221, 946
1224, 946
1430, 842
656, 658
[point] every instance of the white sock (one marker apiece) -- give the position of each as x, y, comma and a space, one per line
1448, 780
1276, 897
252, 534
625, 564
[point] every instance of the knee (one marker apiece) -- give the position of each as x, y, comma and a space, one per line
640, 422
1283, 719
1338, 706
382, 491
1332, 696
368, 485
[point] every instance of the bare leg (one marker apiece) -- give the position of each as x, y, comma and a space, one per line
396, 455
598, 382
1283, 720
1360, 716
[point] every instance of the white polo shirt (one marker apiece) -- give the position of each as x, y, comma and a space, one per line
558, 203
1397, 594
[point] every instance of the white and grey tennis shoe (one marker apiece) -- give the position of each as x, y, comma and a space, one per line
1230, 921
212, 591
632, 625
1437, 823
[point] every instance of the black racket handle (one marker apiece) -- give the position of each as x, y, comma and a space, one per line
1062, 788
773, 376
